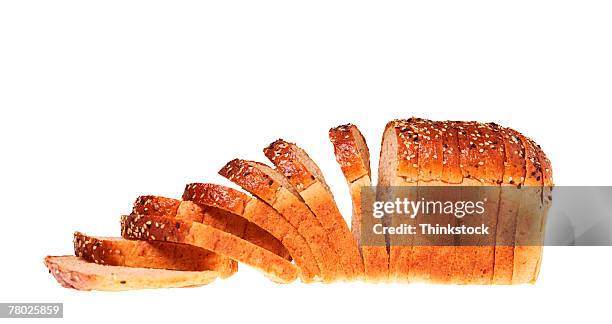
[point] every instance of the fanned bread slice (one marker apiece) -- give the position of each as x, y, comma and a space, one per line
159, 228
215, 217
353, 156
74, 272
304, 174
273, 188
260, 213
149, 254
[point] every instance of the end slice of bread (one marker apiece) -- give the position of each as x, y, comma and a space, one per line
75, 272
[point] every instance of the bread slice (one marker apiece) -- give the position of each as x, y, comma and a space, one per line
75, 272
546, 199
443, 256
398, 167
159, 228
531, 217
509, 202
260, 213
273, 188
215, 217
148, 254
353, 156
482, 160
304, 174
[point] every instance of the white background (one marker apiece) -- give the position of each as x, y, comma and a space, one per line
102, 102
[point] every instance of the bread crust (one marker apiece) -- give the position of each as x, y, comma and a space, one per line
215, 217
155, 255
266, 183
258, 212
159, 228
355, 165
303, 173
76, 273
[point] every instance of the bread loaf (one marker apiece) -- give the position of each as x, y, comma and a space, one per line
418, 153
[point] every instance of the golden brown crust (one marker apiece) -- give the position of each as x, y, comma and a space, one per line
346, 149
260, 213
157, 228
284, 156
251, 179
305, 175
220, 219
156, 205
407, 149
143, 254
76, 273
266, 183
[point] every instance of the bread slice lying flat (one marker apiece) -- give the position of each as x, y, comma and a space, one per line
353, 156
75, 272
304, 174
215, 217
260, 213
273, 188
150, 254
166, 229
